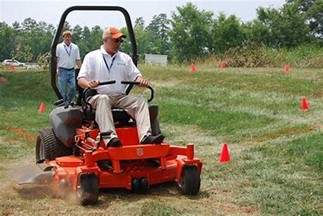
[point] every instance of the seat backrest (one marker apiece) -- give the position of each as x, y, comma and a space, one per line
120, 116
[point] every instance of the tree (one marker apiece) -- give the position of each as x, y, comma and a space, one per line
142, 37
313, 11
77, 34
285, 27
84, 44
227, 33
95, 37
23, 53
7, 41
190, 34
29, 24
126, 45
159, 34
66, 27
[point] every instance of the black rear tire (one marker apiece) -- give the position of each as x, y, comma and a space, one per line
190, 182
88, 190
48, 147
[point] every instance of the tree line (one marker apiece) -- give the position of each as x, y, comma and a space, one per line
189, 34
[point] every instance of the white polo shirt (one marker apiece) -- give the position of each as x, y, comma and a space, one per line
66, 55
99, 65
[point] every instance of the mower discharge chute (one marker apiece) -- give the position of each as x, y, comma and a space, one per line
75, 158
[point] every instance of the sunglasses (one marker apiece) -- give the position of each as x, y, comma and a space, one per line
119, 40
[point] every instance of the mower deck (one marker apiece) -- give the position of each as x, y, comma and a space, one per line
155, 163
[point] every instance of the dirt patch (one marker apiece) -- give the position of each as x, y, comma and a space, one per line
23, 134
33, 191
3, 80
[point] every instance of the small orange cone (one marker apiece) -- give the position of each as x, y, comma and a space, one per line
304, 104
222, 65
193, 68
42, 107
286, 68
225, 155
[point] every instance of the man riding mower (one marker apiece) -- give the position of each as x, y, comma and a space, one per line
85, 151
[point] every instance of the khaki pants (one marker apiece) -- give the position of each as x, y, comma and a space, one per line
136, 107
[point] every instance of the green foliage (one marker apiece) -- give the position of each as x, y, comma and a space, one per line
315, 17
313, 11
25, 42
258, 55
24, 53
227, 33
142, 37
159, 34
43, 60
285, 27
7, 40
190, 34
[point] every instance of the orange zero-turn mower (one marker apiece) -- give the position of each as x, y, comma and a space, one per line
74, 158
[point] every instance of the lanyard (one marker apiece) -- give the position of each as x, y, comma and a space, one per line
68, 53
106, 64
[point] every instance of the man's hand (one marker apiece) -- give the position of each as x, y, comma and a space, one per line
93, 83
142, 81
83, 83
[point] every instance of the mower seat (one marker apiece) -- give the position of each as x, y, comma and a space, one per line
119, 115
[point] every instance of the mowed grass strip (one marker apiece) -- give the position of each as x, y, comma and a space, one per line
299, 82
285, 178
274, 166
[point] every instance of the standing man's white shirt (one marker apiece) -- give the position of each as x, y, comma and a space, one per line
67, 55
99, 65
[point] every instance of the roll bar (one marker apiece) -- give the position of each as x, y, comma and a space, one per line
53, 59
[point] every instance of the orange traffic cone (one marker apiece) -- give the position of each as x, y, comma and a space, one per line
286, 68
193, 68
222, 65
304, 104
42, 107
225, 155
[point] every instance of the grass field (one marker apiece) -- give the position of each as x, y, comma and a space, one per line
276, 150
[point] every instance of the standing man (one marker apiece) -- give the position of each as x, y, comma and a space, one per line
67, 54
108, 63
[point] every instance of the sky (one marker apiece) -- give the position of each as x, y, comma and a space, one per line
51, 11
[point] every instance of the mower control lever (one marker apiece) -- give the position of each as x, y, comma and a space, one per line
88, 92
138, 83
107, 82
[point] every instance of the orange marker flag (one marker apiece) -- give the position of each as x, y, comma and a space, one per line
193, 68
42, 107
286, 68
225, 154
222, 65
304, 104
